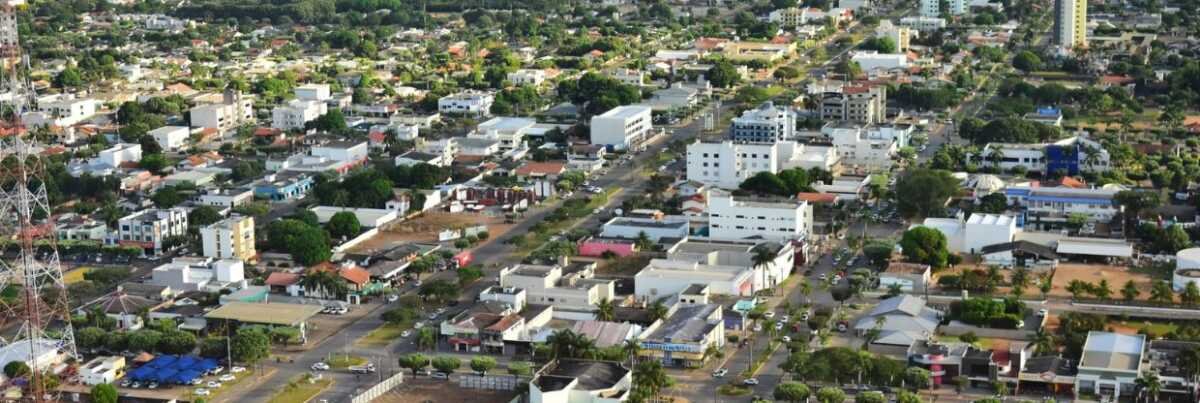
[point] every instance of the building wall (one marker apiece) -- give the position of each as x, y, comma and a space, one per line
730, 219
621, 132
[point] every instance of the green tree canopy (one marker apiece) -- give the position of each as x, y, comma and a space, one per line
924, 192
925, 245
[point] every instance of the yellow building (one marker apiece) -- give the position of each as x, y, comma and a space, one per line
231, 238
1070, 23
760, 51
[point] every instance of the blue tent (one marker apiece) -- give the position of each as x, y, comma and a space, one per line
185, 377
141, 373
162, 361
163, 375
208, 364
184, 362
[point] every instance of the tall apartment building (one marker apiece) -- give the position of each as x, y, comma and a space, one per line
902, 36
233, 111
296, 113
732, 217
622, 127
1070, 24
474, 103
861, 104
149, 229
931, 8
766, 123
231, 238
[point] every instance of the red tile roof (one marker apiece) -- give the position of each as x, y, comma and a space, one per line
355, 274
817, 197
282, 279
541, 168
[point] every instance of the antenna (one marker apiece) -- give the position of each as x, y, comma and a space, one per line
38, 308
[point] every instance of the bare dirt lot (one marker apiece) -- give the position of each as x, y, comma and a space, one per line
425, 228
425, 390
1117, 276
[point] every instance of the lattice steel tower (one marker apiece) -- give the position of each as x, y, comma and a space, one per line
34, 300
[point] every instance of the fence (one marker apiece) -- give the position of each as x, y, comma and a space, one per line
1013, 334
489, 382
379, 389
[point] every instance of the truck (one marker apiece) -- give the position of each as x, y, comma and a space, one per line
363, 369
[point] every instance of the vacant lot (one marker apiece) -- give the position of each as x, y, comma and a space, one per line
426, 227
423, 390
1093, 273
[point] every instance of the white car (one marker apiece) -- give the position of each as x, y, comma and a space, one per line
778, 325
320, 366
406, 333
393, 298
213, 384
787, 339
226, 378
1043, 312
202, 392
237, 370
720, 373
758, 327
785, 319
769, 314
750, 382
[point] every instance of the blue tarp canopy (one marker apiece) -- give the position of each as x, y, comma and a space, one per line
185, 376
176, 369
162, 361
206, 365
141, 374
164, 374
185, 362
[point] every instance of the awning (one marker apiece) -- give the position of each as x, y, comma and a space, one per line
1096, 247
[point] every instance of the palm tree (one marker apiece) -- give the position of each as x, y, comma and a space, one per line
632, 348
1091, 156
605, 310
426, 339
805, 290
1043, 343
1102, 290
657, 311
644, 242
1149, 384
995, 156
1130, 291
762, 259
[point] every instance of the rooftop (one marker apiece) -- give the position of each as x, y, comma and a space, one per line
689, 323
591, 375
1113, 351
274, 313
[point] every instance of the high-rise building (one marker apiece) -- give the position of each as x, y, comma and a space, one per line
1070, 24
931, 8
231, 238
766, 123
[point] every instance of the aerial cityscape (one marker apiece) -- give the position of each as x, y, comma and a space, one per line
599, 201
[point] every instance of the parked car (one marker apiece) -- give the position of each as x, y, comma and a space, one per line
152, 385
1043, 312
237, 370
750, 381
787, 339
363, 369
320, 366
440, 375
213, 384
406, 333
202, 392
769, 314
393, 298
720, 373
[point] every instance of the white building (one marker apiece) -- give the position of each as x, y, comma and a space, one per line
1071, 155
312, 92
1111, 364
342, 151
902, 36
622, 127
474, 103
531, 77
108, 161
766, 123
724, 267
873, 60
102, 370
749, 217
234, 110
148, 229
578, 291
509, 131
367, 217
185, 274
571, 381
925, 24
727, 163
870, 150
61, 110
294, 114
655, 229
170, 138
978, 231
227, 198
628, 76
231, 238
930, 8
1058, 203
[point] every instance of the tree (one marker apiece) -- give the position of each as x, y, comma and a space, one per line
605, 310
90, 338
1173, 239
643, 241
446, 364
723, 75
176, 342
907, 397
144, 339
440, 290
923, 192
250, 345
657, 311
202, 216
344, 225
167, 197
649, 378
994, 203
764, 183
1161, 292
104, 393
331, 121
1027, 61
792, 392
1190, 295
1130, 291
1102, 290
870, 397
830, 394
1149, 384
917, 377
925, 245
16, 369
482, 365
68, 78
426, 338
415, 362
848, 68
154, 163
308, 245
1135, 202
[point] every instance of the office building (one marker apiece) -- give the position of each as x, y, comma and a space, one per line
150, 229
622, 127
866, 104
231, 238
766, 123
733, 217
233, 111
726, 164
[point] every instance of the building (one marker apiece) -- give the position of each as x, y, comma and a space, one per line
910, 277
924, 24
270, 315
531, 77
722, 267
151, 229
62, 110
622, 127
863, 149
283, 186
1052, 206
227, 198
1070, 24
102, 370
902, 321
108, 161
870, 60
865, 104
575, 381
625, 76
170, 138
295, 114
930, 8
733, 217
474, 103
654, 229
509, 131
727, 163
231, 238
682, 338
676, 97
765, 52
312, 92
1069, 156
233, 112
978, 231
902, 36
1046, 115
766, 123
484, 328
37, 352
1169, 360
367, 217
1111, 364
185, 274
575, 291
794, 17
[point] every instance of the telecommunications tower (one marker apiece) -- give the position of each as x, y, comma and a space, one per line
34, 309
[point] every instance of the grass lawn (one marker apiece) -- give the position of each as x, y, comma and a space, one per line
345, 361
75, 276
382, 335
300, 390
224, 385
733, 390
1154, 328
